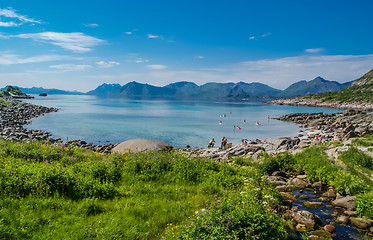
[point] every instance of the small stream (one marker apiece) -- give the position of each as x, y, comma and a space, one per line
327, 214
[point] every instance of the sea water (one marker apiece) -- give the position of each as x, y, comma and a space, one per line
179, 123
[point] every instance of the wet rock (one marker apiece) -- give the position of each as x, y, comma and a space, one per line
304, 197
298, 183
318, 185
301, 227
330, 193
312, 205
350, 213
288, 196
362, 223
307, 218
345, 202
329, 228
342, 219
276, 180
320, 235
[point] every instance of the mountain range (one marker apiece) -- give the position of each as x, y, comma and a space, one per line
360, 91
234, 91
191, 91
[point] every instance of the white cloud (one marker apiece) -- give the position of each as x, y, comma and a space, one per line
9, 59
76, 41
70, 67
128, 33
92, 25
20, 19
141, 60
314, 50
109, 64
152, 36
252, 38
266, 34
200, 57
156, 67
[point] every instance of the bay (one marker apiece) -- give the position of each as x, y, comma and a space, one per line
179, 123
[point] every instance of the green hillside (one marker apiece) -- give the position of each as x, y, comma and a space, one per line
359, 91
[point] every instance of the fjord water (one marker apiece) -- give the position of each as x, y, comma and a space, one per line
179, 123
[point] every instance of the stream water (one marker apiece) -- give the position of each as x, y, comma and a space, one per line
327, 214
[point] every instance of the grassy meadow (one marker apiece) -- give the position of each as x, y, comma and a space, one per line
59, 192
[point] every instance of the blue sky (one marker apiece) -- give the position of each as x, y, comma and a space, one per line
78, 45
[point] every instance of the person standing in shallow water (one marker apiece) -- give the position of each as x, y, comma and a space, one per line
223, 142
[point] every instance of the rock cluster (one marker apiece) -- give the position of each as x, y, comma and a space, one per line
16, 114
316, 127
306, 221
337, 126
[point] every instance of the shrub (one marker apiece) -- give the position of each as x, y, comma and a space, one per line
233, 219
353, 155
281, 162
364, 204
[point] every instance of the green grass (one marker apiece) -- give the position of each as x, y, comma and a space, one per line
69, 193
364, 141
59, 192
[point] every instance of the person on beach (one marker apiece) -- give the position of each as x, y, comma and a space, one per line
211, 143
223, 142
258, 124
220, 122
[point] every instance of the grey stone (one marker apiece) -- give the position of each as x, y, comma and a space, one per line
140, 145
345, 202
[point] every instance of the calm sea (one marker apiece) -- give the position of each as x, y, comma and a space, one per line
179, 123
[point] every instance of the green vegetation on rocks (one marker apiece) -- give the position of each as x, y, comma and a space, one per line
359, 91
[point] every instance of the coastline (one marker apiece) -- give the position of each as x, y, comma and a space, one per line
316, 127
345, 125
304, 102
15, 114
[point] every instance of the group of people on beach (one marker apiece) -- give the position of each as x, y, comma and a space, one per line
224, 142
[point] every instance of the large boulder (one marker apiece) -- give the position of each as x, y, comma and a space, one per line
345, 202
307, 218
141, 145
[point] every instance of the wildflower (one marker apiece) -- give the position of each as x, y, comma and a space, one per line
203, 209
196, 212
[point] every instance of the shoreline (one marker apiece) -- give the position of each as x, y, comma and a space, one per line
345, 125
15, 114
316, 127
304, 102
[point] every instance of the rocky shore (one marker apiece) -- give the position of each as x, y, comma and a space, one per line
305, 102
311, 206
316, 127
14, 114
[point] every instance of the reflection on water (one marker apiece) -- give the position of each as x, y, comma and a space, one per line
179, 123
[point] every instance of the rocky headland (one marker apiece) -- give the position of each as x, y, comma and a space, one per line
308, 102
15, 114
